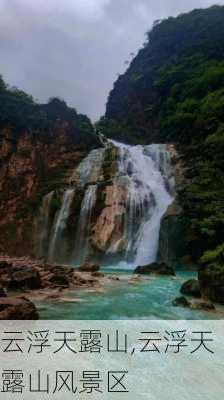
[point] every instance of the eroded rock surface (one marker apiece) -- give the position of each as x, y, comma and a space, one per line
212, 284
17, 308
89, 266
155, 268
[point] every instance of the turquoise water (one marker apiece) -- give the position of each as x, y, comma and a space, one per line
150, 299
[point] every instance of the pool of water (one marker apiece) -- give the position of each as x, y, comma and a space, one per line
150, 299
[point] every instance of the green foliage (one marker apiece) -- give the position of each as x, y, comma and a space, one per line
216, 255
22, 113
179, 97
119, 130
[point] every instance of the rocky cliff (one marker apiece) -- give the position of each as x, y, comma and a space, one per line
175, 234
173, 92
34, 162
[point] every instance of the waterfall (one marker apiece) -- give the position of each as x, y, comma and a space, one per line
60, 223
120, 194
90, 167
84, 225
150, 189
43, 225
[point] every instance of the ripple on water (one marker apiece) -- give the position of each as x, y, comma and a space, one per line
150, 299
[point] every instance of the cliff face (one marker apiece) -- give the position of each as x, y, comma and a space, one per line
173, 92
31, 166
176, 50
174, 232
85, 217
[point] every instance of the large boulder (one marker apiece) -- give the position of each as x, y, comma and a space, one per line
108, 229
212, 283
16, 276
24, 278
53, 276
89, 266
155, 268
17, 308
191, 288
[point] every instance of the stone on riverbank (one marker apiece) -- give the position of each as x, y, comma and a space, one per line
193, 304
89, 266
16, 308
202, 305
155, 268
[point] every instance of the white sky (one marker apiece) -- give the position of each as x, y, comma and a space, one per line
76, 48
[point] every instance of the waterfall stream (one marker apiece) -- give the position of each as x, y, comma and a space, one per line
60, 223
83, 231
150, 188
136, 196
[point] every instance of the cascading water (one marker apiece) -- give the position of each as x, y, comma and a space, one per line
132, 200
148, 169
60, 223
83, 231
44, 225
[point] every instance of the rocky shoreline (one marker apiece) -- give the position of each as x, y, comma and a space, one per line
24, 280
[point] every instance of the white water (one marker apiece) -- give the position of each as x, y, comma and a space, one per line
146, 174
60, 223
84, 225
89, 168
43, 224
149, 172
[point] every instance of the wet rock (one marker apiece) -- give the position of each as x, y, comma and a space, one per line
17, 308
155, 268
2, 292
108, 232
202, 305
42, 277
212, 283
59, 280
181, 302
191, 288
24, 278
97, 274
84, 279
89, 266
56, 276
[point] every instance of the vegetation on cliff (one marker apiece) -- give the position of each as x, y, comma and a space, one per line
40, 146
19, 111
173, 91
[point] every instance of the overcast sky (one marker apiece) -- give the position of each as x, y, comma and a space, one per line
75, 49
